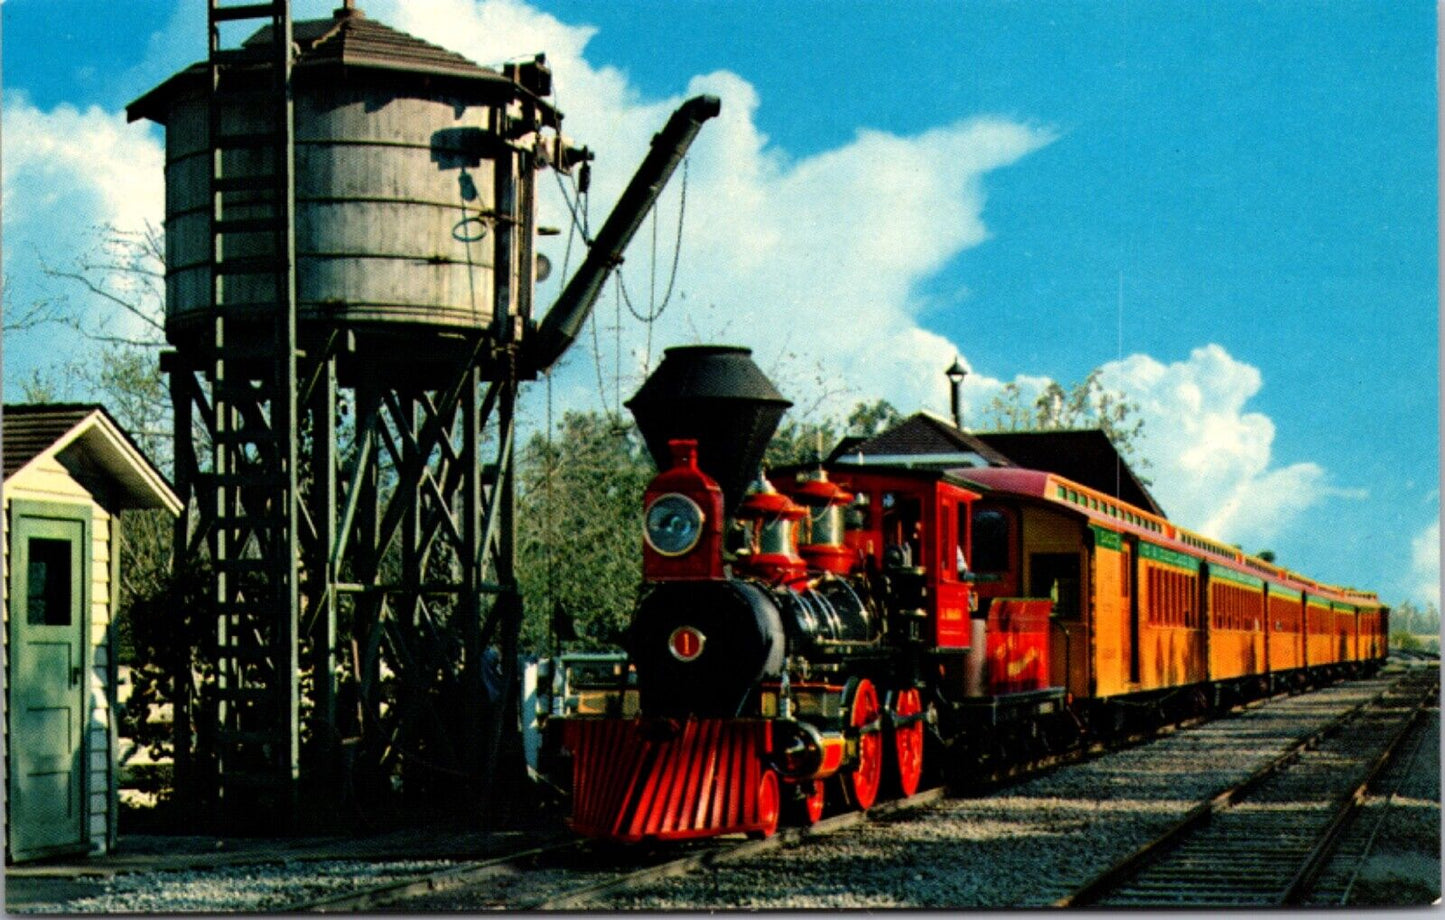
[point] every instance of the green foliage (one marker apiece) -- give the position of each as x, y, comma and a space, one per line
120, 310
870, 419
579, 538
1409, 618
146, 563
1405, 641
1086, 404
169, 628
800, 442
579, 516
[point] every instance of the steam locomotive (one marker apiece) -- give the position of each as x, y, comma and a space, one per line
816, 640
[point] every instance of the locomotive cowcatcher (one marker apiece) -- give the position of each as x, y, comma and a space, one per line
792, 643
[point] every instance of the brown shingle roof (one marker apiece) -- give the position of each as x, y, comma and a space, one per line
26, 431
354, 40
1087, 456
924, 435
90, 443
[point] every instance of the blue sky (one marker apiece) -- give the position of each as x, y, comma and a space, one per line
1232, 207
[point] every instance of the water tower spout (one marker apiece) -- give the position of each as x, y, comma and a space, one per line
560, 327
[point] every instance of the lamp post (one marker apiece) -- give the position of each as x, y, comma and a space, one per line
955, 373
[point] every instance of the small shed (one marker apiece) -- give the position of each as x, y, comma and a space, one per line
70, 471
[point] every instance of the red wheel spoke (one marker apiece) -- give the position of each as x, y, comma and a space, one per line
769, 801
908, 741
868, 770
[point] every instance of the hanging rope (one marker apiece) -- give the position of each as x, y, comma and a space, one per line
655, 310
617, 355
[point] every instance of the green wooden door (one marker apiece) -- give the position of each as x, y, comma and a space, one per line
49, 597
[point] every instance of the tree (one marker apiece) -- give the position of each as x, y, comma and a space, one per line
580, 509
578, 538
1405, 641
798, 442
871, 419
1086, 404
121, 312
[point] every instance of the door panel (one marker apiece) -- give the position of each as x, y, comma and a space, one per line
49, 593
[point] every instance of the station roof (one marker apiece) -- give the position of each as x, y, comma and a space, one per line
83, 436
1086, 456
921, 440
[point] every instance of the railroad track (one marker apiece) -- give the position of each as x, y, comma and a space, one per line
1337, 885
577, 874
569, 875
1262, 841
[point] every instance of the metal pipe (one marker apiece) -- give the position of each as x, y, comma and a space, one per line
563, 322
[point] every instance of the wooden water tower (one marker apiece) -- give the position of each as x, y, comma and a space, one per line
350, 223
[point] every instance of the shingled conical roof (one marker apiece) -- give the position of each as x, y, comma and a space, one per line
349, 45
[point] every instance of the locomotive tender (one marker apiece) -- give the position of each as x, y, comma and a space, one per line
823, 633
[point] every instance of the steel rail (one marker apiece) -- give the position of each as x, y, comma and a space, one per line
1346, 806
1115, 876
791, 836
1369, 847
394, 895
449, 879
1009, 774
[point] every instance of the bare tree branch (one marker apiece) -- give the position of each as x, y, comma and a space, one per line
37, 314
152, 321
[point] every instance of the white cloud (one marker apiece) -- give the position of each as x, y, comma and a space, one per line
1211, 457
90, 166
1425, 564
813, 260
68, 175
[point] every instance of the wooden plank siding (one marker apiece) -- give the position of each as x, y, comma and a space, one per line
1236, 617
1171, 631
1286, 630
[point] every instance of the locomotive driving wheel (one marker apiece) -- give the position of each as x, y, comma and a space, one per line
769, 801
864, 718
906, 768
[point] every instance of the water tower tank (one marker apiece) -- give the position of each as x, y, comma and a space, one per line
402, 152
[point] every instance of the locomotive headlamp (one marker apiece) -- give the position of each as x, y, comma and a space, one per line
673, 524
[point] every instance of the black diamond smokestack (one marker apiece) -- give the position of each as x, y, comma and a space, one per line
718, 396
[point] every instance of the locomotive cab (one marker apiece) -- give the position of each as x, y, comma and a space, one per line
913, 534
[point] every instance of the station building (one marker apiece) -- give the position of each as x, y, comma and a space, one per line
70, 474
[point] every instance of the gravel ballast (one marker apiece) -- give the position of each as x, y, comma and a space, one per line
1025, 846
